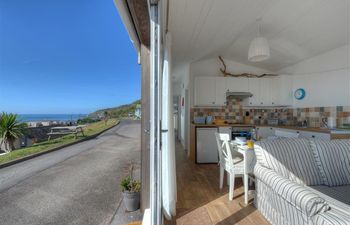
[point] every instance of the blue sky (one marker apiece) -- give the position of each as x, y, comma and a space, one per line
67, 56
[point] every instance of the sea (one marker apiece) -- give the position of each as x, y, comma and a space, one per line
50, 117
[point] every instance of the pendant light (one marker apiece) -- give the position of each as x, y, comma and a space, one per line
259, 49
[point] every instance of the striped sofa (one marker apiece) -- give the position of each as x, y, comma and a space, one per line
300, 181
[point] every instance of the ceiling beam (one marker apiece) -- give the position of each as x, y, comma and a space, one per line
140, 15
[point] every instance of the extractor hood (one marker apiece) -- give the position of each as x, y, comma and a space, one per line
240, 95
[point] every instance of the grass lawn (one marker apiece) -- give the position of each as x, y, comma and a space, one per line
89, 130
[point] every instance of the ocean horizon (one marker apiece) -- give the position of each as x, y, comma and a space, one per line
50, 117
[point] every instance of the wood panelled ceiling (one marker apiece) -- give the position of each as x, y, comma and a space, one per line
295, 29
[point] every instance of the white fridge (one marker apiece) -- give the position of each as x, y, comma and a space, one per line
206, 147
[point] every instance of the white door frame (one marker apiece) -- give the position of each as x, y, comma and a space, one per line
155, 115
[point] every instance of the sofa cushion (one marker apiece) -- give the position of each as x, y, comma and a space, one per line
292, 158
332, 158
339, 193
338, 198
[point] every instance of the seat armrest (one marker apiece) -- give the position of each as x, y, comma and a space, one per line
295, 194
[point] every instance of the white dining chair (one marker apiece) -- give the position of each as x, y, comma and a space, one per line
234, 166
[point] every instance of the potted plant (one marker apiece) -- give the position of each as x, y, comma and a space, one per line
131, 193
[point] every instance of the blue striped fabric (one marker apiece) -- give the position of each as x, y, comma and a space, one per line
332, 217
292, 158
295, 194
332, 158
285, 166
344, 146
338, 196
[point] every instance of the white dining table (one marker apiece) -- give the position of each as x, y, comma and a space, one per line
249, 163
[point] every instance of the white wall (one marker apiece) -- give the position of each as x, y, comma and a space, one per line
184, 112
325, 78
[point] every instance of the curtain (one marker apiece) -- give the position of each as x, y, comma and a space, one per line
168, 138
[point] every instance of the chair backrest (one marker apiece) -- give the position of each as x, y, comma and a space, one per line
224, 149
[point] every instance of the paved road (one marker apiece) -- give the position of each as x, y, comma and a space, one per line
75, 185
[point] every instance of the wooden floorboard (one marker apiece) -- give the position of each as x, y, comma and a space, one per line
201, 202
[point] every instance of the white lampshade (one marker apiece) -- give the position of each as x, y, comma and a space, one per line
259, 50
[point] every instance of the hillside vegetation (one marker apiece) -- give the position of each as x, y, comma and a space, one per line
89, 131
117, 112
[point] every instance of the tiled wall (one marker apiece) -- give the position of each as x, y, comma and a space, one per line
234, 112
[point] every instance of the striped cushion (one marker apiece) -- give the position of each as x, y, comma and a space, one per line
331, 217
344, 146
332, 159
336, 196
299, 196
291, 158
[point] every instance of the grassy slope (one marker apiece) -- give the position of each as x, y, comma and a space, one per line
120, 111
89, 130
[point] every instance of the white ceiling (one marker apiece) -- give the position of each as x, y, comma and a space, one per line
296, 29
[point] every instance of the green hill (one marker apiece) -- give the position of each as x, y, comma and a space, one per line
117, 112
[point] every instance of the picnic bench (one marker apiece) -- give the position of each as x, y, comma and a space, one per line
67, 130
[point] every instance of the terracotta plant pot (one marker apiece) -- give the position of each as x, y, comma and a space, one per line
131, 200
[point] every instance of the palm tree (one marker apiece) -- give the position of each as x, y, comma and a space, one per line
10, 130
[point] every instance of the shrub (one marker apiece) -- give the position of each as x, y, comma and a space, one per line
130, 185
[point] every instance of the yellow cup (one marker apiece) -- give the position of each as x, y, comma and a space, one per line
250, 144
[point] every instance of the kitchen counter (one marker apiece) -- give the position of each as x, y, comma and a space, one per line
331, 133
310, 129
223, 125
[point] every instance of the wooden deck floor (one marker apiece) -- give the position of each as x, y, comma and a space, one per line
200, 201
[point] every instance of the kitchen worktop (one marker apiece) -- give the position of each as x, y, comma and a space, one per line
333, 133
310, 129
223, 125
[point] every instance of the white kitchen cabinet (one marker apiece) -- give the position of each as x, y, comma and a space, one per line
271, 91
276, 92
265, 132
239, 84
206, 147
265, 92
220, 91
261, 90
318, 135
285, 92
205, 91
254, 88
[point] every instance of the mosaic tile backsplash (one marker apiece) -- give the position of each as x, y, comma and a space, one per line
234, 112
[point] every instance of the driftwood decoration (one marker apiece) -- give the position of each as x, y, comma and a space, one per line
228, 74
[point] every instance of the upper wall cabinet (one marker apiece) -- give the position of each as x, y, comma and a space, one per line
254, 87
284, 94
236, 84
204, 91
269, 91
220, 91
